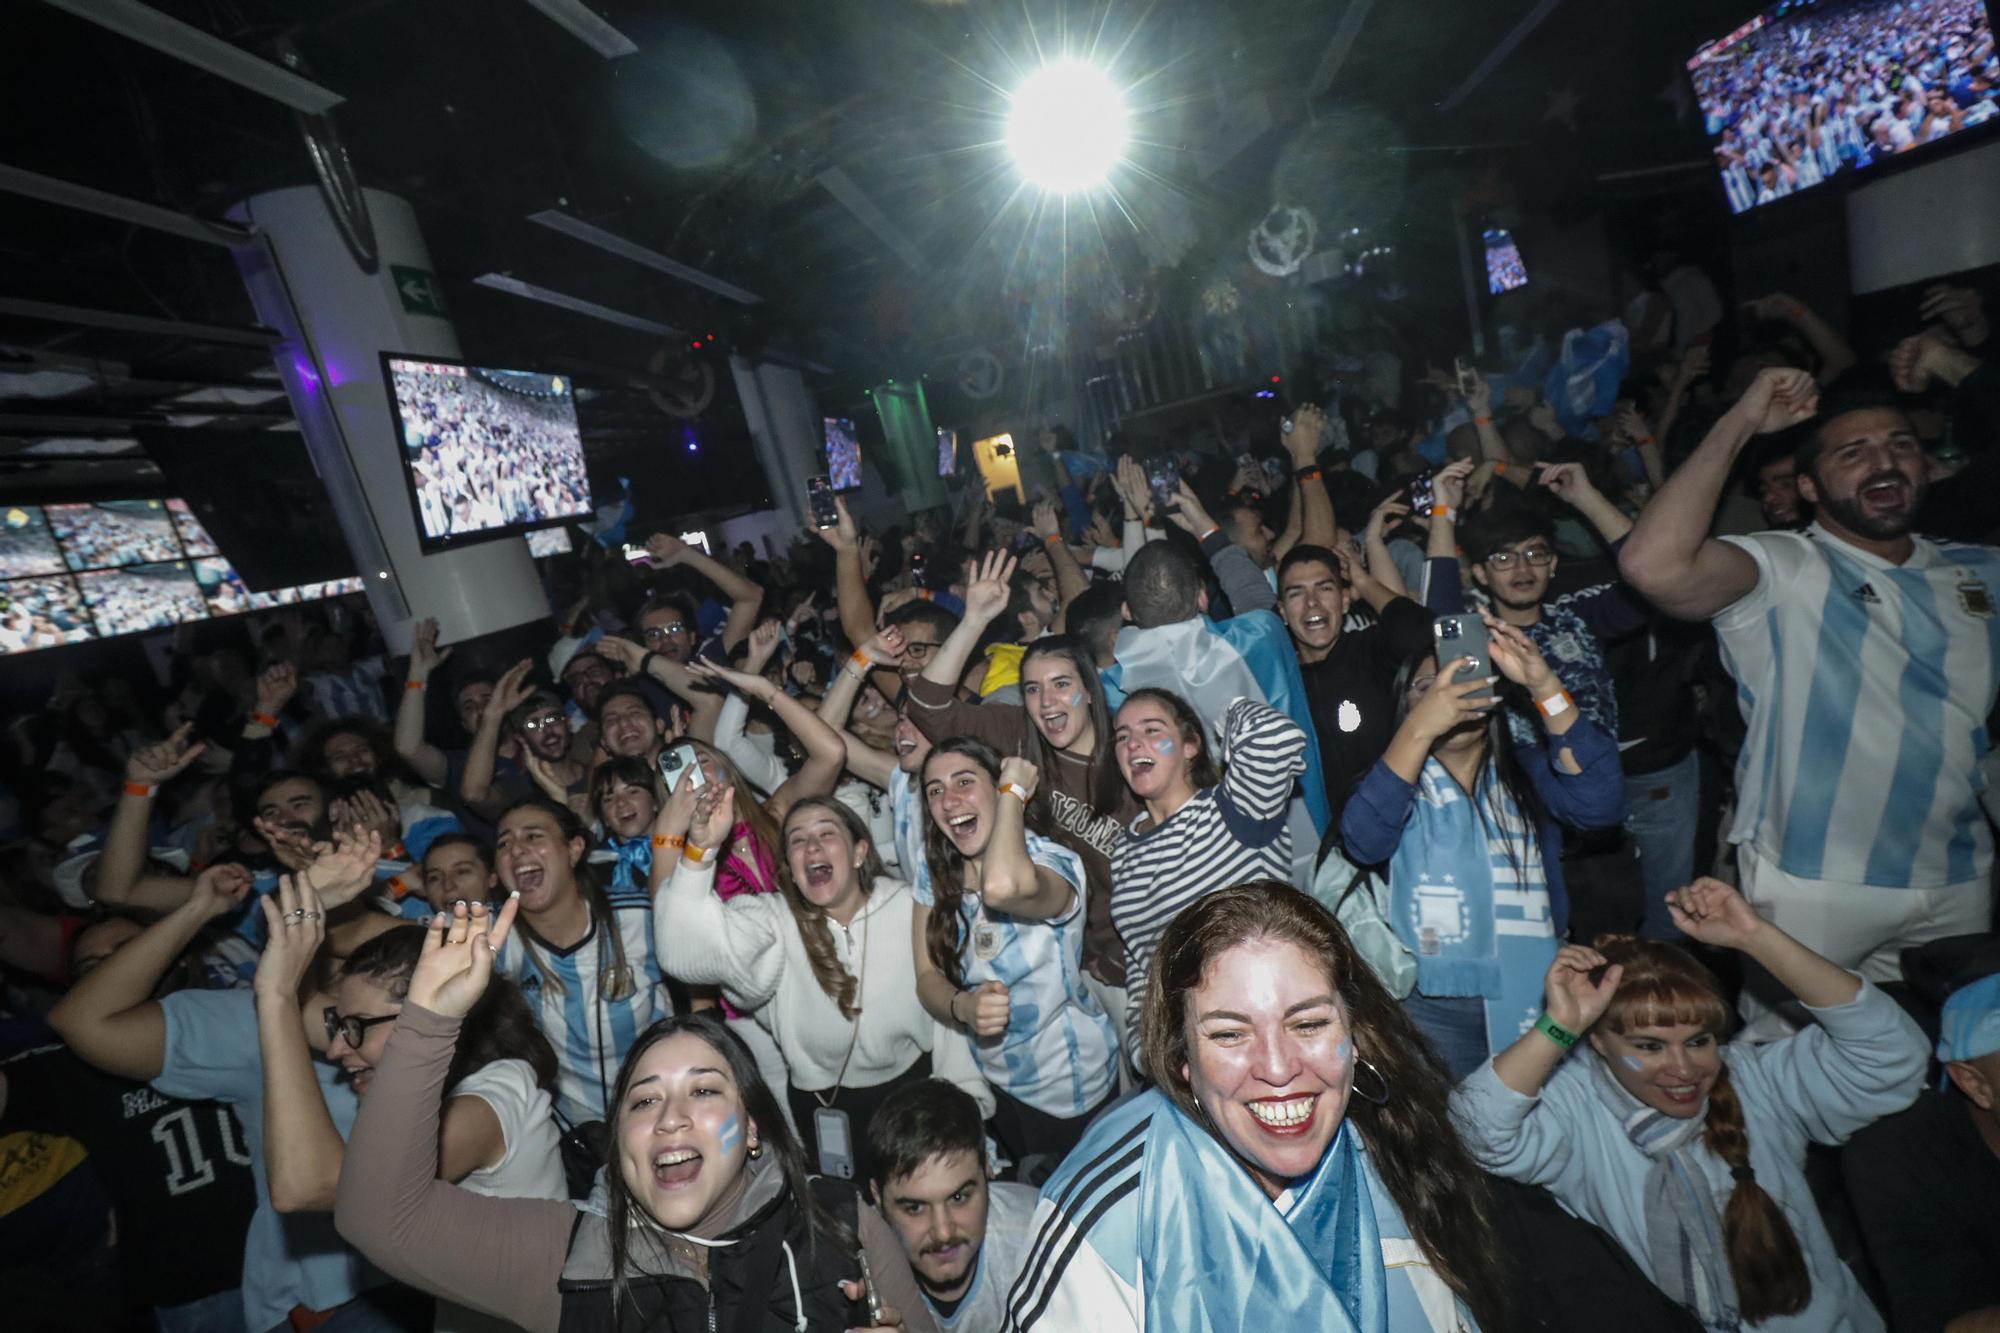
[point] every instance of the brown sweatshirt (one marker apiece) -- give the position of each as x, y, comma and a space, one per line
940, 714
504, 1257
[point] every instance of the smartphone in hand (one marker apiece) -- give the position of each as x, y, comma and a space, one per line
1464, 636
819, 495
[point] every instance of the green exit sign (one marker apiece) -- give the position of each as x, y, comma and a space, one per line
419, 289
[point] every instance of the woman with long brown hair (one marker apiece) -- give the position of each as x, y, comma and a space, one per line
1689, 1152
1295, 1165
823, 965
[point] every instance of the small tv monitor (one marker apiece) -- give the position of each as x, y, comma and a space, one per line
27, 546
947, 451
45, 612
221, 589
1504, 270
486, 452
843, 455
1811, 91
195, 540
549, 541
133, 598
114, 534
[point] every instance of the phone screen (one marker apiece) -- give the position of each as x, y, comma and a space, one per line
1423, 493
1163, 477
636, 555
819, 495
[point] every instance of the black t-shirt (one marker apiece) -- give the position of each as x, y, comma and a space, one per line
1352, 695
178, 1172
1926, 1189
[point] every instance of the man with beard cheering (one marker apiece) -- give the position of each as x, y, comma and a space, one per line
1866, 662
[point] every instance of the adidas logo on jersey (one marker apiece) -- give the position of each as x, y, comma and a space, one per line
1866, 593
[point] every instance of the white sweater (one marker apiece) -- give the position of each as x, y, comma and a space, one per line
751, 947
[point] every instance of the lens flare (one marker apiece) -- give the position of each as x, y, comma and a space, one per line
1067, 127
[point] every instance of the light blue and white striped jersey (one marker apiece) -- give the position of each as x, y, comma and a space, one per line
1865, 687
1059, 1053
591, 1035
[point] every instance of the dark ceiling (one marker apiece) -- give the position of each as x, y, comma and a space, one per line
710, 142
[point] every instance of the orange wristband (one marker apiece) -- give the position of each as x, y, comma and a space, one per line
265, 720
140, 788
1445, 512
859, 660
1556, 704
1014, 790
661, 842
1309, 474
413, 684
1482, 421
1052, 539
698, 855
1499, 469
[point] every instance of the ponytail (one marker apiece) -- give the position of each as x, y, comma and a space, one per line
1764, 1257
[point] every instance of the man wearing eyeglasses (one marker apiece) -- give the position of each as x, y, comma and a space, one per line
667, 622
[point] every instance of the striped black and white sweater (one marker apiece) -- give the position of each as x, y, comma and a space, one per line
1226, 834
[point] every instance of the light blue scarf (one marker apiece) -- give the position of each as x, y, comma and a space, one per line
635, 861
1218, 1256
1479, 924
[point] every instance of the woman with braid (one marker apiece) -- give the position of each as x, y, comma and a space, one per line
824, 964
1691, 1153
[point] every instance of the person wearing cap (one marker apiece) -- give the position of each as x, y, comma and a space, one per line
1926, 1183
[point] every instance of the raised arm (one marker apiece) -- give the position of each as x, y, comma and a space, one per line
1010, 881
109, 1017
700, 938
826, 753
1242, 582
864, 761
704, 704
1669, 556
1836, 356
499, 1256
746, 599
1309, 496
986, 597
1267, 753
857, 612
1568, 482
1046, 522
122, 880
302, 1149
1375, 546
425, 659
509, 692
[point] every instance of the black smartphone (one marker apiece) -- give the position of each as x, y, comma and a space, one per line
819, 495
1163, 479
1466, 379
869, 1295
1423, 493
1464, 636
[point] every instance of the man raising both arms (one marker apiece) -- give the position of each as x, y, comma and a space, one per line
1865, 659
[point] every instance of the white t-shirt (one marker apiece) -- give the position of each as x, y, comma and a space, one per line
1865, 687
531, 1168
1010, 1208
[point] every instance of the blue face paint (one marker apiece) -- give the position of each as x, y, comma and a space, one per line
1345, 1051
1165, 745
732, 1134
1076, 700
1633, 1063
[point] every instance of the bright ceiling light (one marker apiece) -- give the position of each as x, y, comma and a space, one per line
1067, 128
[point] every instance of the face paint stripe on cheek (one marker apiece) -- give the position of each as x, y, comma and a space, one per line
1165, 745
731, 1133
1633, 1063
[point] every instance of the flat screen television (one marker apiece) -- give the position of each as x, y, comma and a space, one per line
947, 451
843, 455
549, 541
132, 598
486, 452
26, 544
114, 533
1812, 91
45, 612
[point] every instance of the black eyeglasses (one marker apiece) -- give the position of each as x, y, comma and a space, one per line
917, 650
1538, 556
351, 1026
661, 633
543, 722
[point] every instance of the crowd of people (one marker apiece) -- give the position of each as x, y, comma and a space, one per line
41, 613
117, 532
484, 455
26, 545
1840, 87
1514, 864
141, 597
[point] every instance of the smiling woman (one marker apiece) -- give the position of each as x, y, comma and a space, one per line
711, 1222
1295, 1166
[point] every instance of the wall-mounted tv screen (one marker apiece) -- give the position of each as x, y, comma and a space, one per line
1808, 91
142, 597
549, 541
43, 612
486, 452
114, 533
843, 454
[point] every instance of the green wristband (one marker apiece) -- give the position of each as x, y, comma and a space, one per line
1555, 1032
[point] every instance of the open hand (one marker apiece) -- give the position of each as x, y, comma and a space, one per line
340, 872
1445, 704
1517, 658
714, 817
763, 642
425, 655
992, 584
457, 959
295, 923
1572, 999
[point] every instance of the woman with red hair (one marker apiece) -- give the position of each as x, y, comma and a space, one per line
1692, 1153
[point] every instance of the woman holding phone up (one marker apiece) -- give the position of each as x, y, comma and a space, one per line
712, 1221
1465, 822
